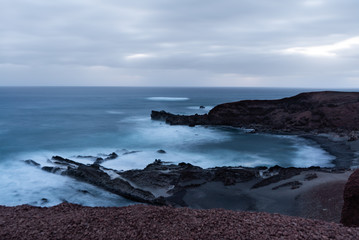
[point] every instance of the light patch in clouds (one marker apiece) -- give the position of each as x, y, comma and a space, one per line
313, 3
330, 50
139, 56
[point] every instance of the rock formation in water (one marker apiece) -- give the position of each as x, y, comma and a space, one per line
327, 111
165, 184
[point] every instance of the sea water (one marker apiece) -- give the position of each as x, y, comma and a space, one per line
39, 122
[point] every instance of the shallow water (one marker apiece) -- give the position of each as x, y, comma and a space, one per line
37, 123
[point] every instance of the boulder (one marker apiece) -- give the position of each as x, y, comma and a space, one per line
350, 212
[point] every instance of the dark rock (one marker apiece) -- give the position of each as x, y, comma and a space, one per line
51, 169
44, 201
353, 136
350, 212
32, 163
161, 151
202, 107
292, 185
118, 186
279, 175
94, 174
111, 156
83, 191
261, 168
230, 176
80, 156
98, 161
61, 160
310, 176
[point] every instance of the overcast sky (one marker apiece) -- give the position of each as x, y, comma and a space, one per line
267, 43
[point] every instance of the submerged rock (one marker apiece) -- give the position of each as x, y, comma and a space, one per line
112, 156
32, 162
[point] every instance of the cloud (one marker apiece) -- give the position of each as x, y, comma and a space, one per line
330, 50
138, 56
172, 43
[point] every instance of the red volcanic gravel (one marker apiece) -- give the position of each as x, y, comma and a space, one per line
68, 221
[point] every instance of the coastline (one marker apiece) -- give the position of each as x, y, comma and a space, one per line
344, 151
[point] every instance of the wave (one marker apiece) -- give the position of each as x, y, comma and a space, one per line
167, 98
114, 112
24, 184
206, 108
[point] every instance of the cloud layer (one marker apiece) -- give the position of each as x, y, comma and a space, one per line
279, 43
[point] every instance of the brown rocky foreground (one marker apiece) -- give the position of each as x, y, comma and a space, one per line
68, 221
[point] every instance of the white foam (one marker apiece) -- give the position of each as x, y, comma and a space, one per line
307, 156
168, 99
24, 184
115, 112
205, 109
166, 135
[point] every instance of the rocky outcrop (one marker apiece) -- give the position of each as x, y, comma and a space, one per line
163, 183
104, 178
350, 212
327, 111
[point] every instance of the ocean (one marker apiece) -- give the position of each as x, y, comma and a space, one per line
40, 122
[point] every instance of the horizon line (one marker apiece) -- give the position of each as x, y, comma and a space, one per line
78, 86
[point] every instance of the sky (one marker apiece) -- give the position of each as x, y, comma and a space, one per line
228, 43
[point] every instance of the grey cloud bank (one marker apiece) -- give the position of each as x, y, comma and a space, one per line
309, 43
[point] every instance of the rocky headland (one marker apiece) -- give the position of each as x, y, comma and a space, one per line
328, 118
326, 111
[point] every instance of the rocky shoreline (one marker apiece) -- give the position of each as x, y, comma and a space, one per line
184, 185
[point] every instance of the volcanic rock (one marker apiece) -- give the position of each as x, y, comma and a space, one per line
350, 212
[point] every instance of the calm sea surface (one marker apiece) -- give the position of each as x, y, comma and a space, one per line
39, 122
